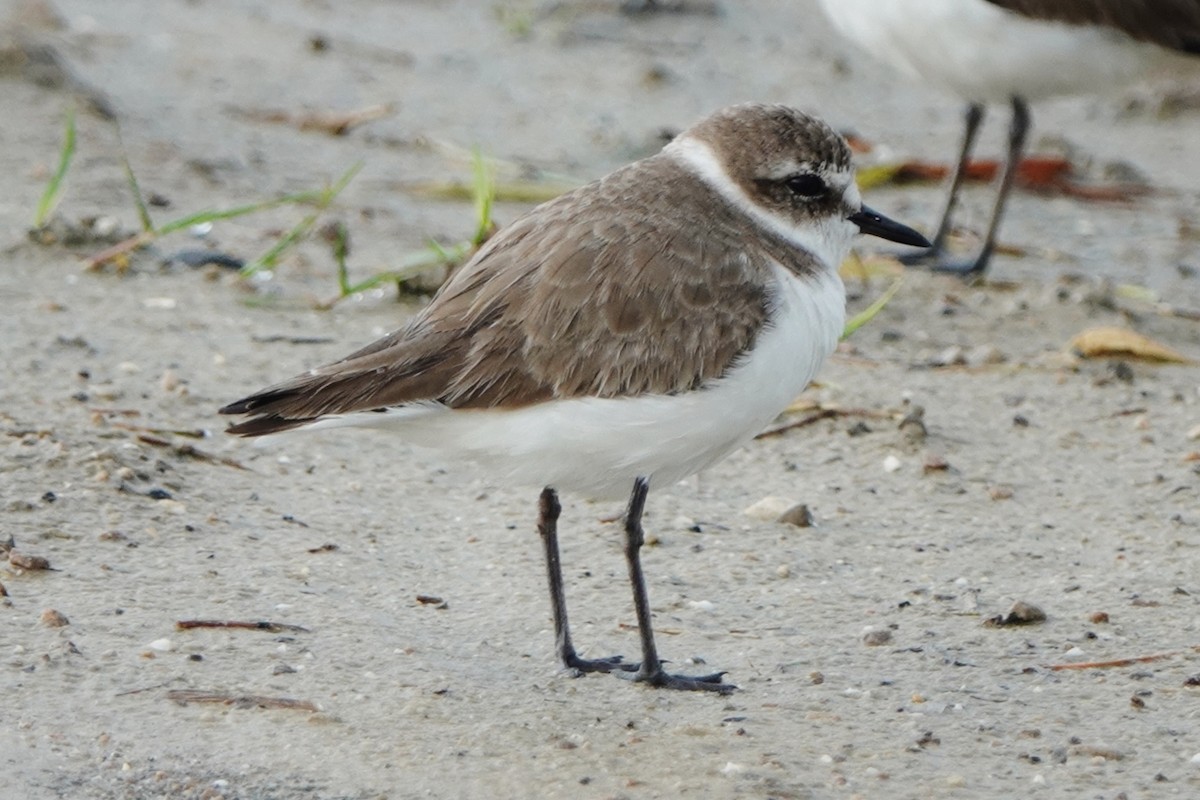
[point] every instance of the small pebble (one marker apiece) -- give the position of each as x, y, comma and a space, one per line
798, 515
161, 645
950, 357
54, 619
891, 464
1021, 613
934, 463
859, 428
685, 523
913, 425
24, 561
769, 509
985, 355
782, 571
1000, 492
877, 638
1098, 617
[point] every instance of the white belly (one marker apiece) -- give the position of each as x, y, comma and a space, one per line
986, 54
598, 446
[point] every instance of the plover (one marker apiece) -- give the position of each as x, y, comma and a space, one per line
1015, 51
633, 331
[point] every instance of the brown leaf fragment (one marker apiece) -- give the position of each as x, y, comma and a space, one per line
184, 450
1113, 342
1021, 613
1093, 751
339, 123
185, 696
335, 123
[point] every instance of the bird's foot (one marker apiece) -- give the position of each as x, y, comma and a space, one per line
660, 679
582, 666
970, 270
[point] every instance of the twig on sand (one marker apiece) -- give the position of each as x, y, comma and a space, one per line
260, 625
1120, 662
239, 700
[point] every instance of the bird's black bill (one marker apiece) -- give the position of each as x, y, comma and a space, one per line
876, 224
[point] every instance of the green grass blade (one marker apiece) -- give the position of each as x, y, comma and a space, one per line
138, 201
323, 199
299, 198
867, 314
484, 195
54, 188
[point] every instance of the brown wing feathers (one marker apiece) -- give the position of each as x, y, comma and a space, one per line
1174, 24
597, 303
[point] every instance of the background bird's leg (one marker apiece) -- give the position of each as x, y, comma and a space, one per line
974, 118
1017, 133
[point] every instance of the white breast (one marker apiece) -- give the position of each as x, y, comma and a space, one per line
598, 446
986, 54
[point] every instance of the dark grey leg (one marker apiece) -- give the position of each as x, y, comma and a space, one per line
548, 511
974, 268
973, 119
1018, 131
650, 671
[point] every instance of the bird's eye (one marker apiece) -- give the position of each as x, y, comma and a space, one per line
806, 185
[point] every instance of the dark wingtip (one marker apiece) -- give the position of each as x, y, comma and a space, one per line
236, 407
262, 419
261, 426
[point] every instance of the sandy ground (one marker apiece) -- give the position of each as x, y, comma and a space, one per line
1070, 484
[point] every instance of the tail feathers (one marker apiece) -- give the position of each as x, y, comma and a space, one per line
271, 411
271, 423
